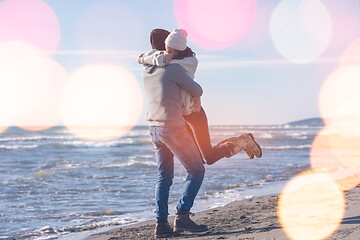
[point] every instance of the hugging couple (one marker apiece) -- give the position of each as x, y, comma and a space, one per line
178, 127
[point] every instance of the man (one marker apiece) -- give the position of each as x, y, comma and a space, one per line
170, 138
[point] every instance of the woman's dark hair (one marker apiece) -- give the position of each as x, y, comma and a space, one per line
183, 54
157, 38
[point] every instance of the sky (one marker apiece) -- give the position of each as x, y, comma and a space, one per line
260, 62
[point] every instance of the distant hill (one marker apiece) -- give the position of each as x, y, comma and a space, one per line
307, 122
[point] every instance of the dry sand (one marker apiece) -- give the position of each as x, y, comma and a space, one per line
254, 218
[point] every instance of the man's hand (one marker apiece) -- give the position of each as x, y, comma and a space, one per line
139, 58
197, 103
167, 58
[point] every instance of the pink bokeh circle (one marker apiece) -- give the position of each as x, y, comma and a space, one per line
213, 24
345, 21
30, 21
351, 55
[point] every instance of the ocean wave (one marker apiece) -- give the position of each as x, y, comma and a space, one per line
105, 212
287, 147
12, 147
91, 144
284, 126
140, 133
48, 232
299, 135
227, 127
41, 174
36, 138
264, 135
224, 135
132, 163
61, 166
143, 142
145, 156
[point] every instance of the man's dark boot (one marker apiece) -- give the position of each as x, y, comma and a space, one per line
163, 230
183, 222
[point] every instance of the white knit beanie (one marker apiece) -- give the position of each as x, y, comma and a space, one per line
177, 39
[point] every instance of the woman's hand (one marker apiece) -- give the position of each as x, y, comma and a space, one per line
167, 57
197, 104
139, 58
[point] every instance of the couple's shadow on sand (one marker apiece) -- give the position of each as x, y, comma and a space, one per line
351, 220
224, 233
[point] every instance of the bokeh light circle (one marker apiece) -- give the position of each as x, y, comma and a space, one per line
311, 206
31, 21
301, 30
345, 20
30, 83
215, 24
338, 144
101, 102
339, 94
332, 154
258, 33
351, 55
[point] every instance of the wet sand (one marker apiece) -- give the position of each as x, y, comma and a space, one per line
254, 218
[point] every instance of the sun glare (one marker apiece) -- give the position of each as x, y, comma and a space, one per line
101, 102
30, 83
31, 21
339, 95
333, 153
301, 30
214, 24
311, 206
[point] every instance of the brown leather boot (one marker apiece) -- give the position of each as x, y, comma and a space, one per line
249, 153
163, 230
252, 147
183, 222
246, 143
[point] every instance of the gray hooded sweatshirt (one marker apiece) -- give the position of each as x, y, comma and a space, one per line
163, 89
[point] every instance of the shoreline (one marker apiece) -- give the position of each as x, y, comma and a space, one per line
254, 218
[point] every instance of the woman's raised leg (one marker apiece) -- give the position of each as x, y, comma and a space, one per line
199, 125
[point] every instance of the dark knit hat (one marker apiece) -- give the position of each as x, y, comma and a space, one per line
157, 38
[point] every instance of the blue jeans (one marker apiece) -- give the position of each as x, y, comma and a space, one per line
169, 142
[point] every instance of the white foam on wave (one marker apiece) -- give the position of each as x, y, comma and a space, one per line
227, 127
139, 133
68, 166
79, 231
12, 147
131, 162
105, 212
299, 135
264, 135
222, 198
36, 138
84, 143
257, 135
287, 147
216, 134
145, 156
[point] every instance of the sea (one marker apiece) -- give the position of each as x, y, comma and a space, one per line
54, 185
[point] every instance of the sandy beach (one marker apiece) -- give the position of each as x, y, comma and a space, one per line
254, 218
